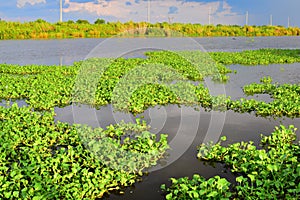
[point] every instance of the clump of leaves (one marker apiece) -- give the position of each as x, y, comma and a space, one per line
286, 99
197, 188
257, 57
41, 159
272, 172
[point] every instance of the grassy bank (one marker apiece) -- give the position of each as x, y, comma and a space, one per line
41, 29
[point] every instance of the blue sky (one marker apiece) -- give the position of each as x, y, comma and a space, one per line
187, 11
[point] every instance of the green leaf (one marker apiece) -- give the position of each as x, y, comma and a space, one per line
169, 196
213, 194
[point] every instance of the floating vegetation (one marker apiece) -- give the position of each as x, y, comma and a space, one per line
197, 188
45, 87
41, 159
257, 57
272, 172
135, 84
286, 99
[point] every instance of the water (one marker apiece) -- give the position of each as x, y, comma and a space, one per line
66, 51
193, 125
280, 73
20, 103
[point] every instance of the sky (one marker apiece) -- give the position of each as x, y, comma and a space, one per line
184, 11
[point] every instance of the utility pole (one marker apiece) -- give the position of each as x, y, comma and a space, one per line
149, 6
288, 21
170, 19
60, 11
271, 20
247, 18
209, 11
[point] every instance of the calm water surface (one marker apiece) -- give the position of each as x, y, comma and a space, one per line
66, 51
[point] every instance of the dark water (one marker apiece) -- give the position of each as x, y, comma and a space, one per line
187, 128
66, 51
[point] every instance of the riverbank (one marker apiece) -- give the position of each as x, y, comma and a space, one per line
41, 29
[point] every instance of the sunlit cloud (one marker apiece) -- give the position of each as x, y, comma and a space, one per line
99, 8
22, 3
179, 11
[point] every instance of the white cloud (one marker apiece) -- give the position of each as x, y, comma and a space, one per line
193, 12
101, 8
22, 3
226, 16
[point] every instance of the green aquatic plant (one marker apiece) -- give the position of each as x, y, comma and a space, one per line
257, 57
269, 172
266, 80
286, 99
272, 172
197, 188
43, 159
96, 81
162, 78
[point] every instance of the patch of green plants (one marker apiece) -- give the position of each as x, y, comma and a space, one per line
194, 65
197, 188
41, 159
286, 99
41, 91
266, 80
135, 84
269, 172
257, 57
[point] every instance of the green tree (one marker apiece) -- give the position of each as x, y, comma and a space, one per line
82, 21
99, 21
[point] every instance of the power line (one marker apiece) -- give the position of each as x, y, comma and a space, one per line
170, 19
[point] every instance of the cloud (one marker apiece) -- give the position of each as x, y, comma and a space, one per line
136, 10
22, 3
99, 8
224, 15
